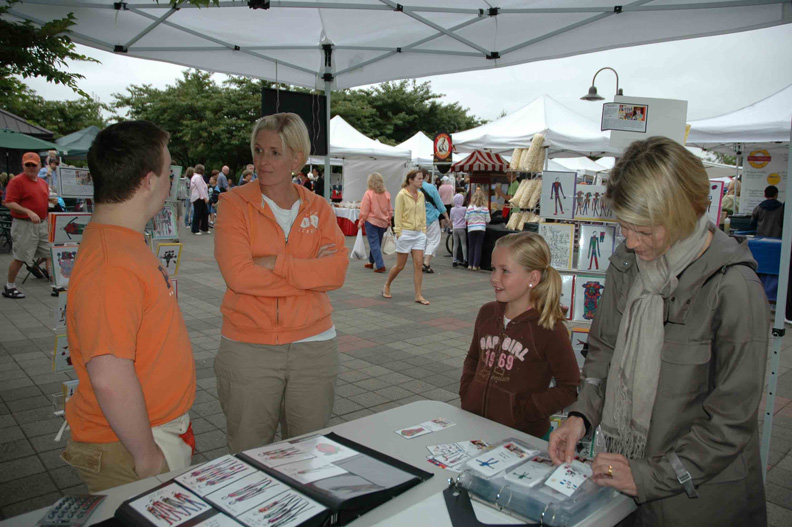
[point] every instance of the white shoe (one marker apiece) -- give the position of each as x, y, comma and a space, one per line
197, 233
207, 232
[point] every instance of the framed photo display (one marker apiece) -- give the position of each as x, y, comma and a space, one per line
164, 224
169, 255
715, 201
596, 247
558, 195
75, 183
67, 227
559, 237
61, 356
579, 338
591, 205
567, 293
175, 178
62, 263
588, 292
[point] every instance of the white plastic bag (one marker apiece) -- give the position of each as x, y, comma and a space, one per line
359, 250
388, 242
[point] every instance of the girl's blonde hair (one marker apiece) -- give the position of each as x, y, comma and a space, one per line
376, 183
290, 128
659, 182
410, 176
479, 199
734, 187
531, 252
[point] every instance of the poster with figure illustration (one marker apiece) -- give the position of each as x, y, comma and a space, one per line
591, 205
169, 255
568, 293
588, 292
61, 356
62, 258
558, 195
559, 238
67, 227
596, 247
164, 224
59, 315
579, 338
715, 201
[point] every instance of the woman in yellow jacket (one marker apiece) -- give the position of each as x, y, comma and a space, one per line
410, 231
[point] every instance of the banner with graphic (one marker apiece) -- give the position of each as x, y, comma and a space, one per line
762, 168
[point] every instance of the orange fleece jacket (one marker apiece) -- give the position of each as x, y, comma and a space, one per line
288, 303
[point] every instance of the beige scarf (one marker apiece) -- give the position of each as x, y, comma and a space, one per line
635, 368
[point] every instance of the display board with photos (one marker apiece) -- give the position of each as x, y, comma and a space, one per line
558, 195
67, 227
560, 239
587, 295
75, 183
320, 480
595, 247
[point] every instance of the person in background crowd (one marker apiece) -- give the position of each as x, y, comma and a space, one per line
729, 203
252, 169
318, 182
446, 191
410, 231
526, 312
222, 179
677, 353
199, 196
49, 173
129, 344
459, 224
280, 251
247, 177
375, 213
27, 197
512, 190
305, 182
477, 217
213, 193
434, 209
768, 217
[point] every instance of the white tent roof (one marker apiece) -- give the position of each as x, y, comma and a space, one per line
762, 122
422, 149
346, 141
576, 164
566, 132
379, 40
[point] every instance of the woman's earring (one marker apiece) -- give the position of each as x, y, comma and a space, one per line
530, 285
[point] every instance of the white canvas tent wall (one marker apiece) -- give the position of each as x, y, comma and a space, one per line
422, 149
579, 165
567, 133
362, 155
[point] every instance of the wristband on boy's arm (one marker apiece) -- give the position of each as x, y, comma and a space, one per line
585, 421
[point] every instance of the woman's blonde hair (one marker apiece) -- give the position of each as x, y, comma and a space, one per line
734, 187
290, 128
659, 182
410, 176
376, 183
531, 252
479, 199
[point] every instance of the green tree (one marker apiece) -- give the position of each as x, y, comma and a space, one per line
392, 112
61, 117
28, 50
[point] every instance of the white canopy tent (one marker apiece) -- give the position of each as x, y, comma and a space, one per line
360, 156
567, 133
422, 149
582, 166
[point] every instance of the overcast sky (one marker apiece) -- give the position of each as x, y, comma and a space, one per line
715, 75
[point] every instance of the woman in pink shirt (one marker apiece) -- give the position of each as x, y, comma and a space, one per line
376, 213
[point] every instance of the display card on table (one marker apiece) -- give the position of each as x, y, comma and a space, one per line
435, 425
290, 508
499, 459
170, 506
216, 474
243, 494
568, 477
532, 473
451, 455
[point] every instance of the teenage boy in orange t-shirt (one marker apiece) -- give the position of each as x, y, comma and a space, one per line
128, 341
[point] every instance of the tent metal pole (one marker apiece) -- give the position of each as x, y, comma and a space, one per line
778, 323
327, 172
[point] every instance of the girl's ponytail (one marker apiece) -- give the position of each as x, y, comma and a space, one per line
530, 251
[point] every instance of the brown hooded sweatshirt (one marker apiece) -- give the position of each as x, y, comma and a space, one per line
507, 371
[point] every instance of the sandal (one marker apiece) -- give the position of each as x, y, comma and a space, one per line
423, 302
424, 268
12, 292
428, 269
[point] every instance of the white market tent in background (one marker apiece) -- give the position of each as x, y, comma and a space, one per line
422, 149
582, 166
361, 155
567, 133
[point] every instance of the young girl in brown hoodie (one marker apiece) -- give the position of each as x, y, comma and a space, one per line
520, 342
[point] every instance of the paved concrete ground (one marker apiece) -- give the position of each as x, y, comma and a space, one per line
393, 352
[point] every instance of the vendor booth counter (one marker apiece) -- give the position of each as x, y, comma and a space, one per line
423, 504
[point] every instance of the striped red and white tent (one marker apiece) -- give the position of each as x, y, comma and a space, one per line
480, 161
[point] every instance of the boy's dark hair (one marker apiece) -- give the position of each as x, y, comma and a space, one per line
771, 192
121, 156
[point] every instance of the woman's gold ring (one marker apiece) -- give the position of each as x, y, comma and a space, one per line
610, 470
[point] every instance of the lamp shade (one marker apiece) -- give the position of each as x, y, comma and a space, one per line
592, 95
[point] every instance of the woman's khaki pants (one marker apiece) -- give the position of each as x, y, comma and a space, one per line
261, 385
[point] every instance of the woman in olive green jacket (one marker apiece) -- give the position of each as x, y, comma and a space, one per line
677, 353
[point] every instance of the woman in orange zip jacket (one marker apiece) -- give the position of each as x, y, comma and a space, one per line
280, 250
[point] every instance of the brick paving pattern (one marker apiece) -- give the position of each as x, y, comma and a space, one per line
393, 352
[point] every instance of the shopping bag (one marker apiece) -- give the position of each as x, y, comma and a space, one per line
359, 250
388, 242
